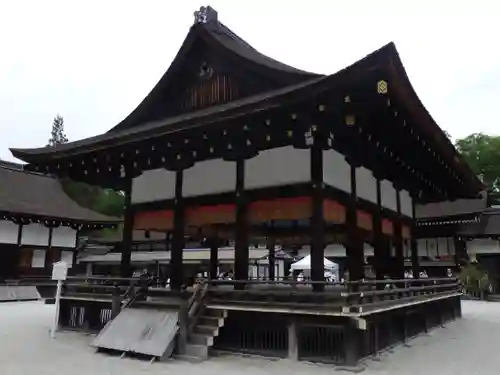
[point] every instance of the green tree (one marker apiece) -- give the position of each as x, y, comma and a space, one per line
104, 201
482, 152
57, 135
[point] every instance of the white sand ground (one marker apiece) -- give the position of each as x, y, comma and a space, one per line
466, 347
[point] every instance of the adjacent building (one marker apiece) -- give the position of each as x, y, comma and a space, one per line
39, 223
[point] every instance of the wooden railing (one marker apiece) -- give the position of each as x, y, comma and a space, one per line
355, 296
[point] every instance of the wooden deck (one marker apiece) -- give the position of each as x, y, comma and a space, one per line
341, 324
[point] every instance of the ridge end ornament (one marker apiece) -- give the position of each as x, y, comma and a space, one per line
205, 15
382, 87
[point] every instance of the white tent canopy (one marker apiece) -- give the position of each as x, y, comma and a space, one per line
305, 264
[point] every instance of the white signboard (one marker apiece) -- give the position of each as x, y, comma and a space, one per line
38, 259
59, 273
60, 270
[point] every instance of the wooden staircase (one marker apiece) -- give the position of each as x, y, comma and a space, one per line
202, 334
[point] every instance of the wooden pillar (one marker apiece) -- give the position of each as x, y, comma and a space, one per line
176, 252
271, 246
460, 250
116, 302
214, 258
317, 223
398, 240
415, 262
293, 345
352, 344
354, 241
242, 226
168, 240
380, 248
128, 228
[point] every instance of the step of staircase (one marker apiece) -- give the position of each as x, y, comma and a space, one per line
200, 339
206, 330
212, 321
196, 351
215, 313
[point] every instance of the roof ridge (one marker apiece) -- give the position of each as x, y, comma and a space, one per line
232, 34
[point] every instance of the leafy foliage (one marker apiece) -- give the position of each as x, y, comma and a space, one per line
482, 152
104, 201
474, 279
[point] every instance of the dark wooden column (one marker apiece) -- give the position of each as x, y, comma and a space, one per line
168, 240
354, 239
128, 228
271, 246
241, 238
398, 239
317, 223
214, 257
460, 250
177, 248
415, 262
380, 248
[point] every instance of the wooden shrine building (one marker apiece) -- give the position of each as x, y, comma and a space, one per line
233, 145
39, 223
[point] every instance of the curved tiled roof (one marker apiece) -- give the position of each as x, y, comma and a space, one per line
219, 37
227, 38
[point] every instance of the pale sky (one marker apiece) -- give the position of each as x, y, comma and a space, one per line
94, 61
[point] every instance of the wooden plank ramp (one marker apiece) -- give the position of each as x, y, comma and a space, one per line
140, 331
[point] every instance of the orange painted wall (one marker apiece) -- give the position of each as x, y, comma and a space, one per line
160, 220
406, 232
205, 215
387, 227
364, 220
280, 209
333, 212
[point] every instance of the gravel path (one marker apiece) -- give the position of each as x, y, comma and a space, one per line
468, 346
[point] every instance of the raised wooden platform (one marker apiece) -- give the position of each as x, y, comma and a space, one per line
340, 325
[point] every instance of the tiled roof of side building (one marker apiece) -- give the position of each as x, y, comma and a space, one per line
35, 194
488, 225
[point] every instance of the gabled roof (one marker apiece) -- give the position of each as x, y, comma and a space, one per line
26, 193
220, 41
